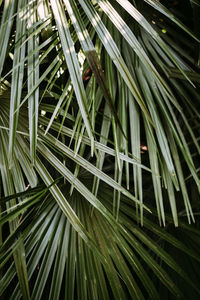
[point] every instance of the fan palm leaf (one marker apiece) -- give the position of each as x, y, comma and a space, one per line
99, 142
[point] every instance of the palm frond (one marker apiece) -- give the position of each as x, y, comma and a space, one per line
99, 142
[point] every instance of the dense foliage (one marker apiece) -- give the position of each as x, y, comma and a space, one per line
99, 149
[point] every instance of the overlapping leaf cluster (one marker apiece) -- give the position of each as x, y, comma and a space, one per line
99, 142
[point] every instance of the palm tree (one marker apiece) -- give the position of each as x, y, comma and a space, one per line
99, 149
